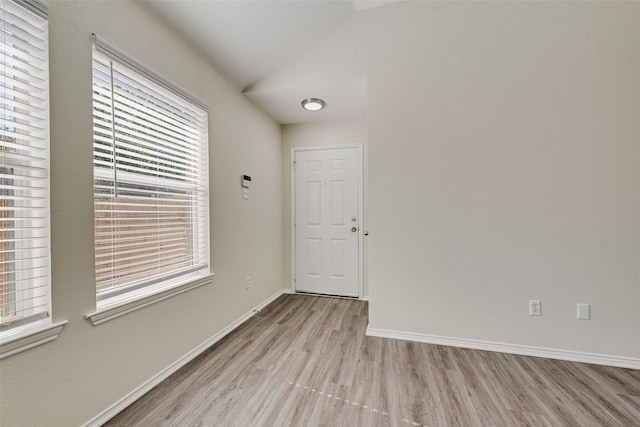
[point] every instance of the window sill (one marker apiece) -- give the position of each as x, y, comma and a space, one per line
30, 337
122, 308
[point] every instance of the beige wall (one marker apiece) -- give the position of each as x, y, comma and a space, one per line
69, 381
504, 151
502, 140
318, 134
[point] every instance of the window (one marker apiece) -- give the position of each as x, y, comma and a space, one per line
150, 165
24, 176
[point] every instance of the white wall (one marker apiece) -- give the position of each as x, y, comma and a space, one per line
503, 152
69, 381
504, 158
318, 134
503, 167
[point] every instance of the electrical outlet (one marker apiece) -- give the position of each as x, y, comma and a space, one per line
584, 311
248, 282
535, 308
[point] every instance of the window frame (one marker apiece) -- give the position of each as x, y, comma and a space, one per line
138, 295
35, 327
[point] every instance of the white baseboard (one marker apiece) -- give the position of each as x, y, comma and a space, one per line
127, 400
549, 353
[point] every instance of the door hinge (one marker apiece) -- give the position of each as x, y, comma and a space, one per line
293, 165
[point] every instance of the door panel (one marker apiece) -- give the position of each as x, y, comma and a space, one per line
326, 223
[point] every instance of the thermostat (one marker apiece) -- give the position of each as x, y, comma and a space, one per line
246, 183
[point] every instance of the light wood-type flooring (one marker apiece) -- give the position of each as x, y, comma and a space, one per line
305, 361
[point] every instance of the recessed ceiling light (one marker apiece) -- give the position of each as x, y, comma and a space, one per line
313, 104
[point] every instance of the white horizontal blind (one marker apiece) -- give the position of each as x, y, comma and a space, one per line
150, 150
24, 165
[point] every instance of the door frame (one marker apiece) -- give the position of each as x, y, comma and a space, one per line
360, 186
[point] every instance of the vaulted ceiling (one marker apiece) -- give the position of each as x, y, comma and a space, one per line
247, 41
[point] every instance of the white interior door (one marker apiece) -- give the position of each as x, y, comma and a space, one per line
326, 221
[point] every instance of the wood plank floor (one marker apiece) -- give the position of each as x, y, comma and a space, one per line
305, 361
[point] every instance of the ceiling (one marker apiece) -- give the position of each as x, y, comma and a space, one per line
248, 40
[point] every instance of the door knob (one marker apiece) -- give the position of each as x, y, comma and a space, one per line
354, 229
